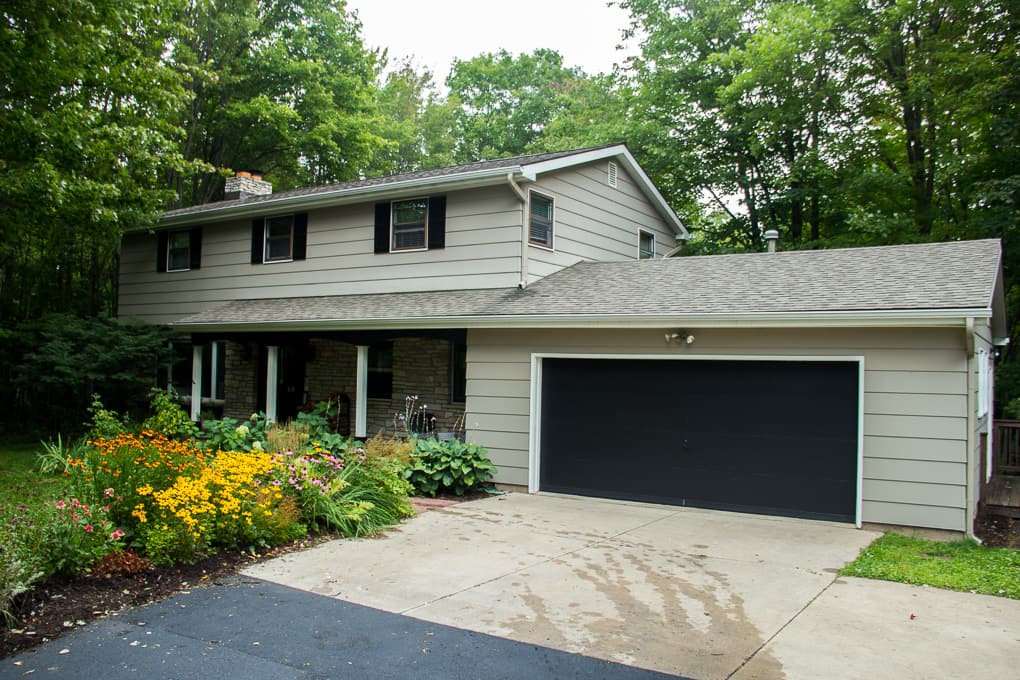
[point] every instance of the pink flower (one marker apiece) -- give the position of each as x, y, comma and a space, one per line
61, 505
88, 528
117, 533
109, 493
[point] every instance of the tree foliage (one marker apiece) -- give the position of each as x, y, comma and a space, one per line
56, 363
283, 86
504, 102
86, 100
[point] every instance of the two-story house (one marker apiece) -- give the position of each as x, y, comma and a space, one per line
530, 296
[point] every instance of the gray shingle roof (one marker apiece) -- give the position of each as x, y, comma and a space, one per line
933, 276
388, 179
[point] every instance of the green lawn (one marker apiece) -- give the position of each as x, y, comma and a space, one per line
20, 479
960, 565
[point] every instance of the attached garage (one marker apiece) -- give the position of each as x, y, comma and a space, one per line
769, 435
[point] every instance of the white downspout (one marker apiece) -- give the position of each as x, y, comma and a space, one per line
523, 283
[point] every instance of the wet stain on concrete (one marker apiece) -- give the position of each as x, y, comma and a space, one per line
676, 615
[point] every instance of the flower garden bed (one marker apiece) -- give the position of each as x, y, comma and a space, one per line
163, 506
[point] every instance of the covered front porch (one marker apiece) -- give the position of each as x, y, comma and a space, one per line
368, 374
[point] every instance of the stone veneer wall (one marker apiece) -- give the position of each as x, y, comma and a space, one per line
421, 367
239, 381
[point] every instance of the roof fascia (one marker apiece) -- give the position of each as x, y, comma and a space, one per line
622, 153
284, 203
953, 318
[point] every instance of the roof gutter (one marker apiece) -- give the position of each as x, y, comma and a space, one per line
945, 318
219, 213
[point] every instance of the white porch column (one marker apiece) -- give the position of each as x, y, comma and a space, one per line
272, 364
361, 394
196, 381
214, 369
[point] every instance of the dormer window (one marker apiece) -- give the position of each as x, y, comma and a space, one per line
410, 224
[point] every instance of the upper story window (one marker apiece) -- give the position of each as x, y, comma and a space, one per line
410, 224
540, 222
179, 251
646, 245
281, 238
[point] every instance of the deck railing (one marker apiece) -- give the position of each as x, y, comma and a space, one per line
1006, 447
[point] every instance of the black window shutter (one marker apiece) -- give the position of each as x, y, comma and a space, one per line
382, 227
162, 243
437, 222
300, 236
258, 238
196, 248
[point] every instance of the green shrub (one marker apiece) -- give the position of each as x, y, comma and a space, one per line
21, 554
227, 434
168, 417
448, 467
77, 536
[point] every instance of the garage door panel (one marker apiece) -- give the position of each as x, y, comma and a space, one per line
762, 436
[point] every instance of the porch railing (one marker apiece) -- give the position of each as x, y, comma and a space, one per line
1006, 447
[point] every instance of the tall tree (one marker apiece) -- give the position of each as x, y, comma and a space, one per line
283, 86
503, 102
87, 108
417, 123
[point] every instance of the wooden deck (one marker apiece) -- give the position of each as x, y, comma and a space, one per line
1002, 495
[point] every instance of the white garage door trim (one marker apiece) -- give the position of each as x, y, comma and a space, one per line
535, 424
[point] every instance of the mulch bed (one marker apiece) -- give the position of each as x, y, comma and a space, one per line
61, 604
997, 531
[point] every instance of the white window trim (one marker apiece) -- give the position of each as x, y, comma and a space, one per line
169, 249
265, 240
552, 199
984, 382
535, 429
654, 244
613, 174
392, 235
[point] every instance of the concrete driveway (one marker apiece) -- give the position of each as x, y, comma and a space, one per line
692, 592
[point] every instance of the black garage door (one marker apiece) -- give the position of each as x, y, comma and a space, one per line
774, 437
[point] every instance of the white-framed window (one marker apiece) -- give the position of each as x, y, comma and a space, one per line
611, 174
279, 239
178, 251
646, 245
409, 224
541, 220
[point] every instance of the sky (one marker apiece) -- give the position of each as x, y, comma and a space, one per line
435, 32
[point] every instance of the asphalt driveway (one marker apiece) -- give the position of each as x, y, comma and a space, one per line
690, 592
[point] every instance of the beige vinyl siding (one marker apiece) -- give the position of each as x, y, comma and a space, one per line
915, 402
482, 251
594, 221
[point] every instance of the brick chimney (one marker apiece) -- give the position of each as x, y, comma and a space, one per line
246, 185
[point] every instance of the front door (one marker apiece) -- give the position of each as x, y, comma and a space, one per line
290, 380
